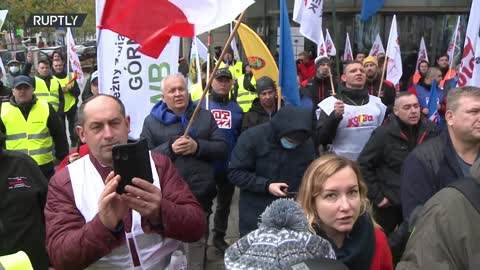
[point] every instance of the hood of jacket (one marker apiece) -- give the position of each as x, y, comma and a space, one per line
290, 118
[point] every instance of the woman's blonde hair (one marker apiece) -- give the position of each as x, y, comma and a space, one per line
315, 177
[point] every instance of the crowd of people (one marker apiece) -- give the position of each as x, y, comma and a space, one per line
373, 182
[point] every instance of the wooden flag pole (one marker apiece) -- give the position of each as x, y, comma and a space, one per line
210, 78
331, 80
383, 75
208, 66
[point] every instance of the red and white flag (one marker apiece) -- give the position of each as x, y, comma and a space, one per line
348, 54
469, 74
394, 66
331, 50
422, 54
74, 61
308, 13
454, 47
152, 23
377, 47
322, 47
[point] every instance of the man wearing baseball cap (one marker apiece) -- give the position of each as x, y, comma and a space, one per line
373, 83
32, 126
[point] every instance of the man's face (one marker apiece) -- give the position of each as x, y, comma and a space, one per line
407, 109
103, 128
267, 98
222, 85
43, 70
442, 62
175, 95
228, 58
437, 75
58, 66
371, 70
354, 76
322, 70
360, 57
23, 93
464, 123
423, 68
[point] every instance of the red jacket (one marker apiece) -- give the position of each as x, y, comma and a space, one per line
83, 151
74, 244
306, 71
382, 256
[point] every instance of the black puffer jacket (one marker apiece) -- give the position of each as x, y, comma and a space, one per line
256, 115
197, 169
259, 159
382, 157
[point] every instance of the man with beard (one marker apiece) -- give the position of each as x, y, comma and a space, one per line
382, 157
264, 106
446, 158
374, 80
48, 88
422, 90
71, 91
348, 119
319, 87
443, 63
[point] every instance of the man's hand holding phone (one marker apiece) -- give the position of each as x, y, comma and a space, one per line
185, 146
145, 198
111, 206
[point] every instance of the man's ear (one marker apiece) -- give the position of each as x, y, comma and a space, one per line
127, 119
80, 133
449, 117
342, 77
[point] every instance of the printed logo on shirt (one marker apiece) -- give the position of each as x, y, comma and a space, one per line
17, 182
357, 120
223, 118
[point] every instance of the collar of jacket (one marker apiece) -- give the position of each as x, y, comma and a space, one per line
357, 95
61, 74
219, 98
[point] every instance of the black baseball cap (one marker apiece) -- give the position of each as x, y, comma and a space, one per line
223, 72
22, 79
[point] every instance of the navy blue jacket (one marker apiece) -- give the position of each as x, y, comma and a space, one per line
428, 168
259, 159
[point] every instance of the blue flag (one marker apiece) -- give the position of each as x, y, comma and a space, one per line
369, 8
432, 104
287, 80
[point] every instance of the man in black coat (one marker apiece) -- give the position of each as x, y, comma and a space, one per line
193, 155
269, 161
382, 157
264, 107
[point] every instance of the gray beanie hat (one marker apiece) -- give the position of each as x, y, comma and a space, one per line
282, 240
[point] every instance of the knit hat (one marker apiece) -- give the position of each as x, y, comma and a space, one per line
265, 83
322, 59
282, 240
94, 76
370, 59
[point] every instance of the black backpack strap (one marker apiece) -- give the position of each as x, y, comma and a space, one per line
470, 189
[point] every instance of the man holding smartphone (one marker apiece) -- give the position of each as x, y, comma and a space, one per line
90, 225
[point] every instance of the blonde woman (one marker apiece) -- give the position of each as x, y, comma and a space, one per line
334, 198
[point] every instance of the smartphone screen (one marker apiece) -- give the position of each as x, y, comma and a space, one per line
131, 160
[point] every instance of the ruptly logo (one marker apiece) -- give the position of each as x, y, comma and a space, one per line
56, 20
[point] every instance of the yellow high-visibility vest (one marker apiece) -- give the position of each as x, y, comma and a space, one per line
30, 136
52, 96
17, 261
245, 97
70, 99
236, 69
196, 91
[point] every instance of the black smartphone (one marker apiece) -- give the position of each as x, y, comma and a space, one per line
131, 160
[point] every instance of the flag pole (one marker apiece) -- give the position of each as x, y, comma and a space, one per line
209, 43
334, 24
68, 54
447, 76
331, 80
383, 74
210, 78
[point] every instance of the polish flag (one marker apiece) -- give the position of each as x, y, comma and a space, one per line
377, 47
348, 54
331, 50
152, 23
394, 66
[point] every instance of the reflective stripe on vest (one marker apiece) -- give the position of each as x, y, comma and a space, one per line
70, 99
245, 97
52, 96
30, 136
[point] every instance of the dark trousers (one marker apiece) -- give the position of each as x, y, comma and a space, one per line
388, 218
225, 190
71, 116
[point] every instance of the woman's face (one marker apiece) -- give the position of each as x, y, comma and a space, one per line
338, 205
423, 68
